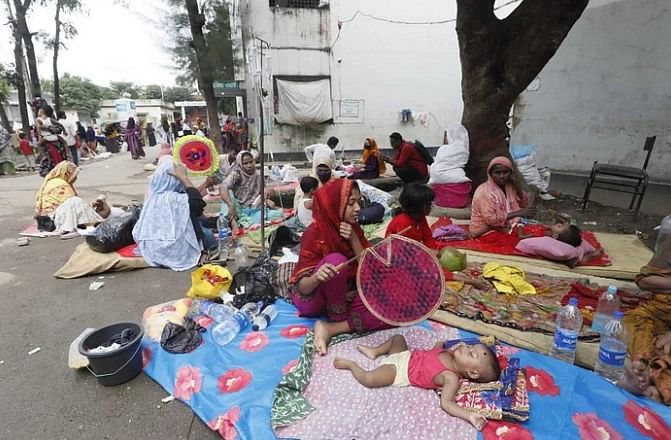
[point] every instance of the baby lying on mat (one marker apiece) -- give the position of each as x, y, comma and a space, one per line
430, 369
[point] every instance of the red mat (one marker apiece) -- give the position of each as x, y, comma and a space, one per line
128, 251
501, 243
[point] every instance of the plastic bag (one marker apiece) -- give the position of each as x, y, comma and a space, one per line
527, 167
209, 282
257, 281
179, 339
290, 173
115, 233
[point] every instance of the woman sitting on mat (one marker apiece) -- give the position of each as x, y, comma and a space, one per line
319, 286
498, 203
416, 200
241, 194
169, 232
373, 165
446, 175
649, 328
323, 165
57, 201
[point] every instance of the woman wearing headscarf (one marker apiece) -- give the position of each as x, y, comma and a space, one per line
241, 194
169, 232
57, 200
447, 177
132, 138
319, 286
373, 165
499, 202
151, 134
323, 165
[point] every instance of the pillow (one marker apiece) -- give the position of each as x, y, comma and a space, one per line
553, 249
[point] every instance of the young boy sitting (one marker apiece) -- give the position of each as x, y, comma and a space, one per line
430, 369
563, 232
308, 186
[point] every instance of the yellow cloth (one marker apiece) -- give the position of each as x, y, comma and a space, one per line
374, 150
507, 279
56, 188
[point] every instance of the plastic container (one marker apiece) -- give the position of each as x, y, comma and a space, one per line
240, 254
569, 323
227, 330
612, 349
662, 256
117, 366
609, 303
218, 312
263, 319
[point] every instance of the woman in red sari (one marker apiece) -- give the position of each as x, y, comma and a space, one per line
320, 287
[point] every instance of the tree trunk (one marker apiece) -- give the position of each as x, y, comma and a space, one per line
4, 119
27, 36
18, 77
499, 58
57, 43
205, 70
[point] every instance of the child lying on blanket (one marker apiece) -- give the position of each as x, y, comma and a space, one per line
430, 369
563, 232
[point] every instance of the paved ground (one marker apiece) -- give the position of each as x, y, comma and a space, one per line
41, 397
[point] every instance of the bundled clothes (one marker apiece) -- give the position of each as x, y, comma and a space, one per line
374, 166
447, 177
492, 204
167, 232
321, 243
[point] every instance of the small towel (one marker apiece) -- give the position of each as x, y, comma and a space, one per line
507, 279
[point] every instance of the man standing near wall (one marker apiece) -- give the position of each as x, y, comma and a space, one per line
409, 164
325, 150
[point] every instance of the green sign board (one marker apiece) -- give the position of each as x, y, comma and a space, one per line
225, 86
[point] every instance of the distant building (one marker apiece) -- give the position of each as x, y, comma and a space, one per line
147, 110
332, 70
14, 115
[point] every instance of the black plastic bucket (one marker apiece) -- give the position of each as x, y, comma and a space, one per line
117, 366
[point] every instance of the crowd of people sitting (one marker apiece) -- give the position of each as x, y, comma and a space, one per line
173, 232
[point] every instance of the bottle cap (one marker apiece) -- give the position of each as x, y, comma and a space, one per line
612, 289
204, 305
573, 301
618, 315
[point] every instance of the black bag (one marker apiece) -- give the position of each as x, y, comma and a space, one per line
424, 152
373, 213
45, 223
115, 233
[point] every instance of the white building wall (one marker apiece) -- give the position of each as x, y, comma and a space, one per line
385, 66
606, 89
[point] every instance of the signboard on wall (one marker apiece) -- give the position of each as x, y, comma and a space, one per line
349, 108
121, 107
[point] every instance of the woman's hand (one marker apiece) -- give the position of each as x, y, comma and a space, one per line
346, 231
326, 272
179, 171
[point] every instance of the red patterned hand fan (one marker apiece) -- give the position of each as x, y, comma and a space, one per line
198, 154
399, 281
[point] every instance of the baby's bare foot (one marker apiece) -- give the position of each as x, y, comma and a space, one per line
369, 352
342, 364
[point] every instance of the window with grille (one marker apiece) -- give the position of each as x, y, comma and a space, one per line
306, 4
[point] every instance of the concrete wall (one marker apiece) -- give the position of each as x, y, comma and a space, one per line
606, 89
387, 67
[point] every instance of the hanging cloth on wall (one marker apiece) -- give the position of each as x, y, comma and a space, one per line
304, 103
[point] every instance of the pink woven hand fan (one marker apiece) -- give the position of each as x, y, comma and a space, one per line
399, 281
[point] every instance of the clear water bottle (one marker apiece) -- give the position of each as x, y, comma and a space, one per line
612, 349
240, 254
605, 310
227, 330
662, 256
263, 319
224, 237
276, 173
218, 312
569, 323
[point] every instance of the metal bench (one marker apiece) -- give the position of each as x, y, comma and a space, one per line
621, 178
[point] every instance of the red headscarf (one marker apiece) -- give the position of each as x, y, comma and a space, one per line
322, 237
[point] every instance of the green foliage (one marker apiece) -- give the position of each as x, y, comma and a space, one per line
217, 35
5, 83
77, 92
151, 91
172, 94
125, 89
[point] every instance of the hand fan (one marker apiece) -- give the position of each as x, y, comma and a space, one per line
400, 281
198, 154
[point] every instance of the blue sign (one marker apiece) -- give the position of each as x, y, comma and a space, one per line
132, 105
121, 108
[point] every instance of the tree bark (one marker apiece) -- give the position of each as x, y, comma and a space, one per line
57, 43
205, 69
499, 58
27, 37
18, 74
4, 119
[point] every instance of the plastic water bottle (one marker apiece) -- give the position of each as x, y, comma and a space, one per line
263, 319
218, 312
612, 349
240, 254
227, 330
605, 310
569, 323
276, 173
224, 241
